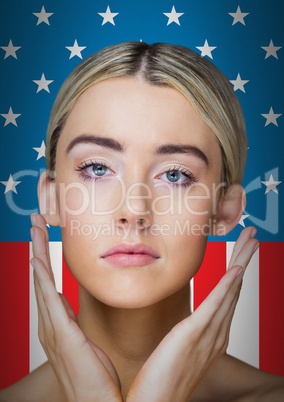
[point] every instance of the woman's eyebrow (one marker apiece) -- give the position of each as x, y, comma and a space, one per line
168, 149
105, 142
113, 144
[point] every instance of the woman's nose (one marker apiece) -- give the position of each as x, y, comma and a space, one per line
139, 224
136, 209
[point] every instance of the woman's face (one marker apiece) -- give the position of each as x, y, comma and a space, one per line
137, 168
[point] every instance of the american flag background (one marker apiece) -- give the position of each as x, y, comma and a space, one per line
40, 44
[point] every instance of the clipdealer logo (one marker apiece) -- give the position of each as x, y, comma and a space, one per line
270, 222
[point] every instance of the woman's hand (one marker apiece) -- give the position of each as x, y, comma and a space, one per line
183, 357
82, 369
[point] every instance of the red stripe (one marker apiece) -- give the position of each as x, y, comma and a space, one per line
211, 271
272, 308
70, 287
14, 312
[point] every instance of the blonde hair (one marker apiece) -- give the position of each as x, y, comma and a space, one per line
161, 64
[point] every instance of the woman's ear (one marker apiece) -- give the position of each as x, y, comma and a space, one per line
230, 209
48, 205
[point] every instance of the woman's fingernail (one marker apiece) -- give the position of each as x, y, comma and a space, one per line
32, 232
33, 219
253, 233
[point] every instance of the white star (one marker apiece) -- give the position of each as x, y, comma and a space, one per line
108, 16
271, 50
241, 221
239, 16
271, 185
239, 83
75, 50
173, 16
10, 50
43, 16
10, 117
43, 83
271, 117
206, 50
10, 185
40, 151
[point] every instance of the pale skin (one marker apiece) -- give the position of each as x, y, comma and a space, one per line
135, 338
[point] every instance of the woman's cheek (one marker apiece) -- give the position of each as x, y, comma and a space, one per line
198, 199
92, 199
185, 210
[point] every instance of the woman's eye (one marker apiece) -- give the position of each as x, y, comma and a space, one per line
178, 177
94, 171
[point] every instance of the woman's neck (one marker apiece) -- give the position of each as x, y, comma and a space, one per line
129, 336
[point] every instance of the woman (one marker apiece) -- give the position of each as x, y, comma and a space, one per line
146, 152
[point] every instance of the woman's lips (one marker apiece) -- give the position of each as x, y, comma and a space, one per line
126, 255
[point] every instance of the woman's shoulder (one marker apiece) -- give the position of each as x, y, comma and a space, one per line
230, 379
40, 385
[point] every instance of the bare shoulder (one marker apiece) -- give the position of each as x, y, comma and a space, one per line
39, 386
230, 379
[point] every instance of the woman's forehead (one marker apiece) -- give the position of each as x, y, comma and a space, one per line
131, 109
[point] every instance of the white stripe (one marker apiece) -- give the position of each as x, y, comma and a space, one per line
244, 336
37, 354
191, 287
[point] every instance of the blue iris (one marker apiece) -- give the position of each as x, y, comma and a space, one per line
99, 170
173, 175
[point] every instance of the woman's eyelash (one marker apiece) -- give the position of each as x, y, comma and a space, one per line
89, 163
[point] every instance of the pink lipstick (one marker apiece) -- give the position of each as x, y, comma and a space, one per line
126, 255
